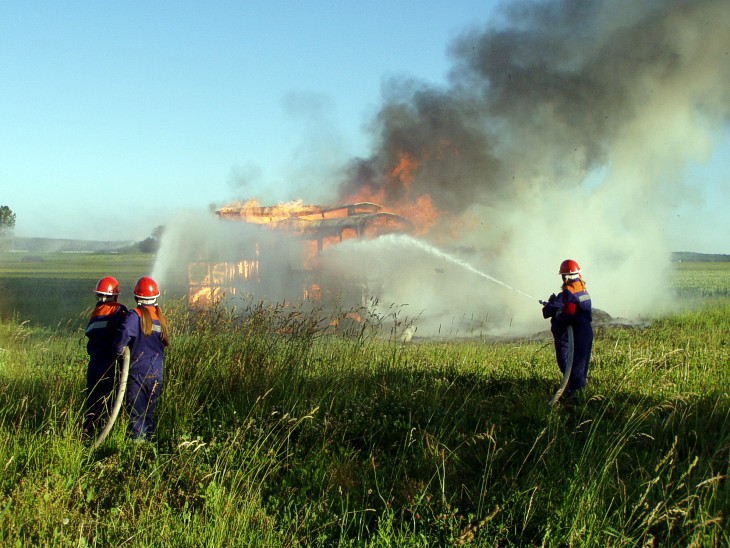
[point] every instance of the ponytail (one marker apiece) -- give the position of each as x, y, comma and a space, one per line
163, 325
146, 323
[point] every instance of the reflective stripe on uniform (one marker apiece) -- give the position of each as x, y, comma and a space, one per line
97, 325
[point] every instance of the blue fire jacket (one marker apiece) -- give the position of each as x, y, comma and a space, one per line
101, 330
572, 306
146, 352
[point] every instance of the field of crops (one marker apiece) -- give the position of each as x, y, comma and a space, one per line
701, 279
278, 430
53, 289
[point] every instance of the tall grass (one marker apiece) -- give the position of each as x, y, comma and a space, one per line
277, 429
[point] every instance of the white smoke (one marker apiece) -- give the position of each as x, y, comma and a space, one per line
565, 132
201, 237
446, 294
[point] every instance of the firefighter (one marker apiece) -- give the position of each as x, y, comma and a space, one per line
571, 308
106, 317
145, 332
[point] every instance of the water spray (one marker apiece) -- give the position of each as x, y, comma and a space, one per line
442, 255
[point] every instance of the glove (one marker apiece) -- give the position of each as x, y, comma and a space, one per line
550, 307
550, 300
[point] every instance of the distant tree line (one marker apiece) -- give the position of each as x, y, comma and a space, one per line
7, 221
152, 243
692, 257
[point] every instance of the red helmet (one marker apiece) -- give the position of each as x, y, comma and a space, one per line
107, 286
146, 288
568, 267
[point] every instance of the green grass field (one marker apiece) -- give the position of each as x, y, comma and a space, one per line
56, 289
702, 279
274, 431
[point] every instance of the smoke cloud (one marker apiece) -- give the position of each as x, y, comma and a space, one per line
563, 131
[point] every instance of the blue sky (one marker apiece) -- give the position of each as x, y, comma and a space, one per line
117, 116
110, 110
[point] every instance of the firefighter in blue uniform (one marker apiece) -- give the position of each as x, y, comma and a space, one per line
144, 331
106, 317
571, 307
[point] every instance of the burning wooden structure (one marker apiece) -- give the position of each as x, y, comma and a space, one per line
279, 259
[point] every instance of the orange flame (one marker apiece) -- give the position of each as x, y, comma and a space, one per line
252, 212
403, 170
418, 208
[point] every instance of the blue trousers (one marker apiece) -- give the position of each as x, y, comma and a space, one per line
582, 346
143, 390
99, 387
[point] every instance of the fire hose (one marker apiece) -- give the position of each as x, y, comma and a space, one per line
568, 369
117, 402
